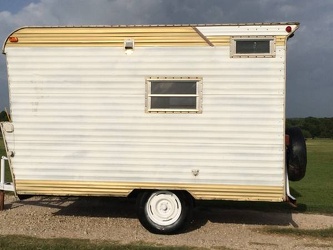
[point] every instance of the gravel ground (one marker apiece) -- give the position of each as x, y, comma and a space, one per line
115, 220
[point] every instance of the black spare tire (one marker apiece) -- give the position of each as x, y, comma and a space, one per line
296, 154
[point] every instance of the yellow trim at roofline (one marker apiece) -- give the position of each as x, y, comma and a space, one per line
114, 36
123, 189
219, 40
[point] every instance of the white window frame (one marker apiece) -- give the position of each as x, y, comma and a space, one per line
272, 47
198, 94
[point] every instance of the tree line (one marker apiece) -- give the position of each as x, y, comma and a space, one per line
311, 127
3, 116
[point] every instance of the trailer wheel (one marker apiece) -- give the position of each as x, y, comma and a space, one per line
164, 212
296, 154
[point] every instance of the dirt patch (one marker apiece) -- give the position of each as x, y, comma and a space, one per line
115, 220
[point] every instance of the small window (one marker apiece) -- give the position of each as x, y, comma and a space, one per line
252, 46
176, 95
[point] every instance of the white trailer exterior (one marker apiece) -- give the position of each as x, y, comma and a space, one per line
84, 119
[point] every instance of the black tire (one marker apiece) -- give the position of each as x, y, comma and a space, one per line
164, 212
296, 154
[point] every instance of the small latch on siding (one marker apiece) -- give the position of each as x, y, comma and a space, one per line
195, 172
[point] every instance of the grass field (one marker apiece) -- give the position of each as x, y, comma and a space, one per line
10, 242
314, 192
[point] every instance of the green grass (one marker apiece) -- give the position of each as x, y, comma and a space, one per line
315, 233
13, 242
322, 238
314, 192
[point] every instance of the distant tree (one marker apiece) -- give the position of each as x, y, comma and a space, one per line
327, 128
3, 116
306, 134
313, 127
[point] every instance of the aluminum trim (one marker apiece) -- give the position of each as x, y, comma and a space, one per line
123, 189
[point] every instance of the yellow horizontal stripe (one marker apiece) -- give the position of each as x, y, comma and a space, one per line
105, 44
112, 36
123, 189
85, 30
219, 40
115, 36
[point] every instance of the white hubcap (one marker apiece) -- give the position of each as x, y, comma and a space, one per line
164, 208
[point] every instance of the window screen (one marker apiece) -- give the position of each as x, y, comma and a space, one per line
173, 95
252, 46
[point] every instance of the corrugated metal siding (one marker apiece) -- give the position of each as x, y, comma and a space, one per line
79, 115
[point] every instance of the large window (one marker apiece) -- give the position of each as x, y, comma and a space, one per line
174, 94
252, 46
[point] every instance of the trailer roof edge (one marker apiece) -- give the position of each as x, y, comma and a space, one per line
149, 25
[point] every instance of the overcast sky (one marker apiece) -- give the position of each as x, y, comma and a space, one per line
310, 51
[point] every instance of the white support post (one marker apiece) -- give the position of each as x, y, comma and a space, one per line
2, 183
291, 199
5, 186
2, 180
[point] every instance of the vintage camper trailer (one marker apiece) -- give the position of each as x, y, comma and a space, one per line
169, 114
